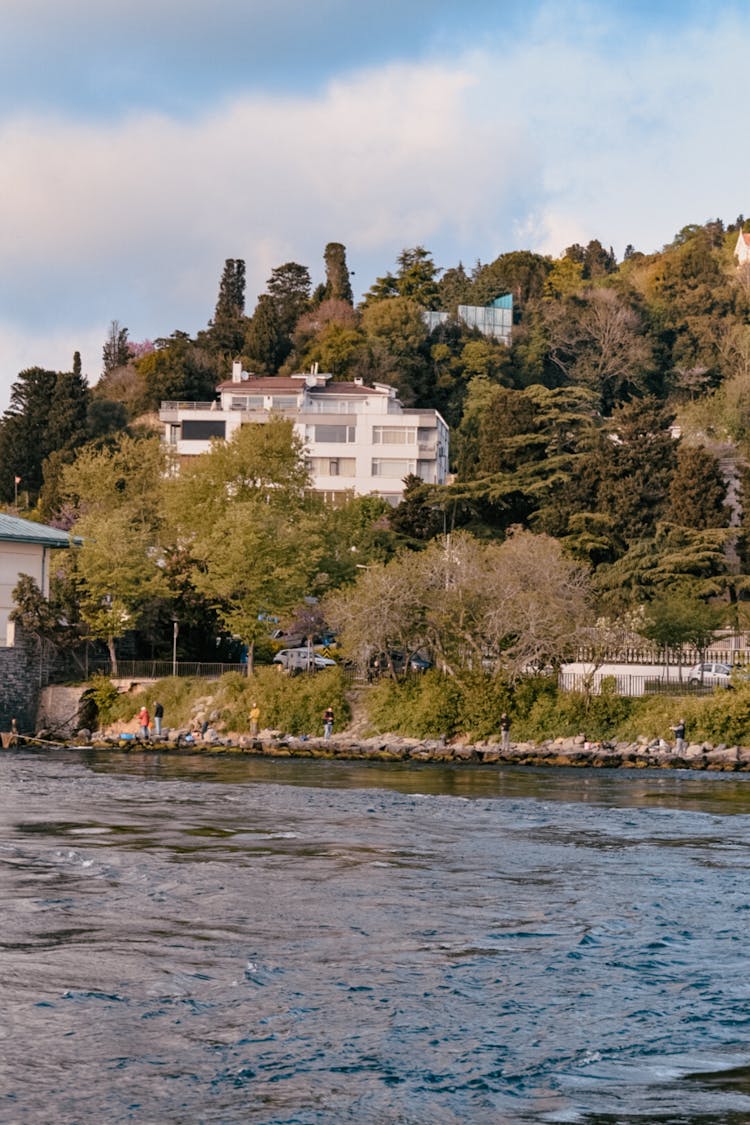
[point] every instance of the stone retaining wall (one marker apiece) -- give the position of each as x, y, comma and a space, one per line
19, 684
557, 752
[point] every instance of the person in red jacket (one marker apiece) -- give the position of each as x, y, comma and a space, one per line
144, 719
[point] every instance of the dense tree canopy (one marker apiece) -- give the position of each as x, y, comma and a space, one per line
614, 425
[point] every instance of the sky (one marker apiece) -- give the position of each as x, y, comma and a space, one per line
144, 142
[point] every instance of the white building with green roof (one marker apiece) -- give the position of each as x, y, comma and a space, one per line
25, 548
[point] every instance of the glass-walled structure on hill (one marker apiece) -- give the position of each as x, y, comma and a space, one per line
494, 320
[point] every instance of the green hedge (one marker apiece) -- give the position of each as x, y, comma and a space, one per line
291, 704
435, 706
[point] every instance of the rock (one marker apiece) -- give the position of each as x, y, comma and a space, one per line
726, 758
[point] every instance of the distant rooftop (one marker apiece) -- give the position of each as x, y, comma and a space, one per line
15, 530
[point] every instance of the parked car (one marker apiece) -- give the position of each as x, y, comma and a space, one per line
296, 660
711, 673
413, 662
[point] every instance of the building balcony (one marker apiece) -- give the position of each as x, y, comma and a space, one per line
170, 411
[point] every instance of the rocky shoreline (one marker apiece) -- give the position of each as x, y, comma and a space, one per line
577, 751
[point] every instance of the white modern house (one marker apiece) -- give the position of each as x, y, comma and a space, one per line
24, 549
357, 439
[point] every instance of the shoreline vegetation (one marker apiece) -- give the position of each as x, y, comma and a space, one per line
424, 719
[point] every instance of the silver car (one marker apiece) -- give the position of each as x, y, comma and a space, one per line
712, 673
296, 660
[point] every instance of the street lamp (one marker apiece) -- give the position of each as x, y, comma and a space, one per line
175, 631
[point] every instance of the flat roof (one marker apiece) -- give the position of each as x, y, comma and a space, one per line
15, 530
280, 383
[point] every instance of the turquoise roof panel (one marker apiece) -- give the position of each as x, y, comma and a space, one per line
15, 530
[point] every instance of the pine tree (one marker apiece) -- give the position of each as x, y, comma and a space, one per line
338, 287
116, 350
697, 493
226, 331
266, 346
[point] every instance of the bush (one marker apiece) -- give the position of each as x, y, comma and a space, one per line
102, 696
292, 704
482, 701
426, 706
556, 714
721, 717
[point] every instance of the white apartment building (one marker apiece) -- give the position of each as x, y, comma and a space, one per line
357, 439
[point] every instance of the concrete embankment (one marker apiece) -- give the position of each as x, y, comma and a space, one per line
576, 752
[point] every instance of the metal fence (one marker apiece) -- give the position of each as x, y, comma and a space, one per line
630, 684
725, 651
162, 669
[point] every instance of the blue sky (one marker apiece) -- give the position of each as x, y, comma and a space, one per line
145, 142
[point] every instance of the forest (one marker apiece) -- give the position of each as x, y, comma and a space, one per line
599, 465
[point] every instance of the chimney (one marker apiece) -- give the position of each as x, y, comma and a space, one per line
236, 371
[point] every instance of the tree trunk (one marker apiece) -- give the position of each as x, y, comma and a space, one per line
251, 658
112, 655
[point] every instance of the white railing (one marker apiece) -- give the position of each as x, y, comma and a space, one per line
172, 407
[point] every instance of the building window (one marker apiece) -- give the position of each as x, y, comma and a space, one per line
334, 433
284, 402
382, 467
394, 435
325, 405
203, 430
333, 466
247, 402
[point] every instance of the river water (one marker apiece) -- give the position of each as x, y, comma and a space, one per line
242, 940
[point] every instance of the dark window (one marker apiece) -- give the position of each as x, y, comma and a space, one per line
196, 430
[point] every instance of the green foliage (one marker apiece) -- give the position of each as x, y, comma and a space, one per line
338, 285
116, 350
32, 611
265, 346
482, 700
676, 618
697, 492
105, 697
47, 413
427, 706
722, 717
294, 704
415, 280
519, 272
226, 331
569, 713
290, 704
241, 515
179, 370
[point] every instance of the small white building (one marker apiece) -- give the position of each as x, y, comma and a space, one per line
742, 249
24, 549
357, 439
